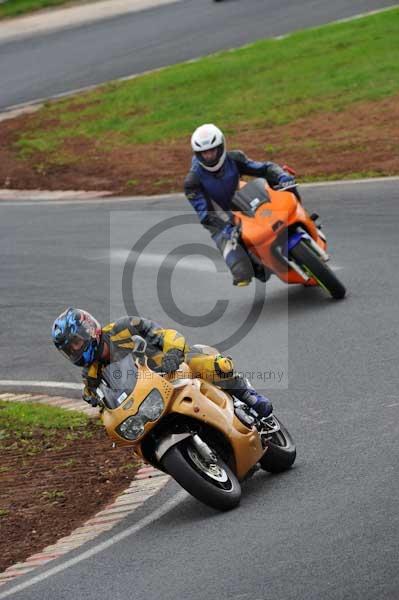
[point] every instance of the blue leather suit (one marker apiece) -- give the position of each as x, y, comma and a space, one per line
211, 194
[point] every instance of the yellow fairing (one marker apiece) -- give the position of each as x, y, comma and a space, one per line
194, 398
208, 404
147, 380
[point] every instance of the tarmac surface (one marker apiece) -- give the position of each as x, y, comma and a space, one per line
326, 529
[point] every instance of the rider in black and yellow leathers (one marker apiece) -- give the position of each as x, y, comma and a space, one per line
80, 337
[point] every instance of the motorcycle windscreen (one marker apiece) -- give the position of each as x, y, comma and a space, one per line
250, 197
120, 380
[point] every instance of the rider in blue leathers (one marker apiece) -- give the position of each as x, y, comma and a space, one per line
210, 186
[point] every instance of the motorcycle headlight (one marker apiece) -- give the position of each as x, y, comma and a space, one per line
132, 428
150, 410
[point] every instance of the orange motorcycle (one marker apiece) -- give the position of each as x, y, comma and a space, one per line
205, 438
281, 236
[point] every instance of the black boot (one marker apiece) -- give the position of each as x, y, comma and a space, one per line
260, 271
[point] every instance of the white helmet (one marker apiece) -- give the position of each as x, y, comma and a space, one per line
208, 137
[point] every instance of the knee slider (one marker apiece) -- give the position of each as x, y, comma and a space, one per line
224, 366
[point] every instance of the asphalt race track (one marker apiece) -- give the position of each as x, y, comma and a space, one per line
328, 529
65, 60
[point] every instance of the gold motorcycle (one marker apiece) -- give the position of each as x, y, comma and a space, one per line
202, 436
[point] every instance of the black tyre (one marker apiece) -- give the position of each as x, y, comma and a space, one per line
315, 267
281, 452
214, 485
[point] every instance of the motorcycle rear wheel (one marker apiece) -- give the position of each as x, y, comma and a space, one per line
213, 484
316, 268
281, 452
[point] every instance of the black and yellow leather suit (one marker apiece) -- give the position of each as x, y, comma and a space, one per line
204, 361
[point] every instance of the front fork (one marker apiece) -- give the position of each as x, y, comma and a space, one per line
173, 439
203, 450
293, 240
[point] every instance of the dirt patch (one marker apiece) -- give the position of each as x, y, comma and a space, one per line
50, 485
362, 139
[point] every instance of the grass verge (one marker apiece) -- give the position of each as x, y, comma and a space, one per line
270, 82
22, 421
58, 469
15, 8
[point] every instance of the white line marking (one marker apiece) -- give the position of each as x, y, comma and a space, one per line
191, 263
188, 263
155, 515
49, 384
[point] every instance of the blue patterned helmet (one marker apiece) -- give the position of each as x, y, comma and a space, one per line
77, 334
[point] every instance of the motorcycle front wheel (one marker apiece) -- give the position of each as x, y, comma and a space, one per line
316, 268
281, 451
212, 483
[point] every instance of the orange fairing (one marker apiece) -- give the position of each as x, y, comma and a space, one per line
270, 223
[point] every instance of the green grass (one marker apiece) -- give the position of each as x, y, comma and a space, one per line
270, 82
20, 419
14, 8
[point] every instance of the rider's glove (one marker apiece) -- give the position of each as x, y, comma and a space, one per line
171, 360
286, 181
229, 232
90, 398
213, 223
